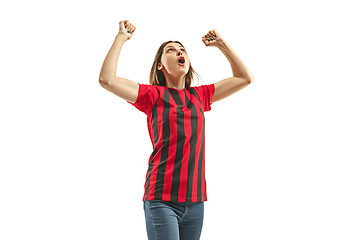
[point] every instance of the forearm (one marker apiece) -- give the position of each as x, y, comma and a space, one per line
108, 69
238, 67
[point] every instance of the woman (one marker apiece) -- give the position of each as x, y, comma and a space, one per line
175, 187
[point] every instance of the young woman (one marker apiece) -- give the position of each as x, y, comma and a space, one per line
175, 187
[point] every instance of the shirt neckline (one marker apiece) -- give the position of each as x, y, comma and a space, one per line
177, 89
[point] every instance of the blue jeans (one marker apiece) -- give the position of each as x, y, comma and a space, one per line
173, 220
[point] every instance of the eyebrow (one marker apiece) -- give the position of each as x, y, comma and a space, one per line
173, 47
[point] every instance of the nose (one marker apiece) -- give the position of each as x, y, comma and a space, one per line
179, 53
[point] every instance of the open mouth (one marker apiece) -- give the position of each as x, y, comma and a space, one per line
181, 61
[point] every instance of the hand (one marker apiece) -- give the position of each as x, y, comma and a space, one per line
212, 38
126, 29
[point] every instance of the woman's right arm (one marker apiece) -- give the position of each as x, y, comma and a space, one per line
122, 87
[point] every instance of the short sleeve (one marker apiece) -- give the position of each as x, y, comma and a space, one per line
147, 96
205, 93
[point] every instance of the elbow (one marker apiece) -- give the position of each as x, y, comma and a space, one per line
104, 81
251, 79
248, 80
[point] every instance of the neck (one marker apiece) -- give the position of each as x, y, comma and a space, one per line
175, 82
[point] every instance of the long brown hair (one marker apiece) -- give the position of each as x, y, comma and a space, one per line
158, 78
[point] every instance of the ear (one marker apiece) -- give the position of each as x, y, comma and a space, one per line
160, 66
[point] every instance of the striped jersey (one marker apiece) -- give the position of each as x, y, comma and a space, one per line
176, 126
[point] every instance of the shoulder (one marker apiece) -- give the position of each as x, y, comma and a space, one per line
149, 88
205, 89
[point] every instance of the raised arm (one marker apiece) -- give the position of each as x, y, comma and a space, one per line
122, 87
242, 77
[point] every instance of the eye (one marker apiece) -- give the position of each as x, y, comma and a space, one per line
169, 49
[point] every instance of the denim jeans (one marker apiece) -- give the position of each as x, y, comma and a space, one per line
173, 220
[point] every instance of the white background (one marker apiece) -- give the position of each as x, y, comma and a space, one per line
282, 154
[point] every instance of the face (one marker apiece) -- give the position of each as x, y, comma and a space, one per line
174, 60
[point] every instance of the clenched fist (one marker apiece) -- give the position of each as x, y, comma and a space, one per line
127, 29
212, 38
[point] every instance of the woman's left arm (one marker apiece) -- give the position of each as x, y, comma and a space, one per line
242, 77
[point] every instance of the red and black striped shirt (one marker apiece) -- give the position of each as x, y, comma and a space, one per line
176, 125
